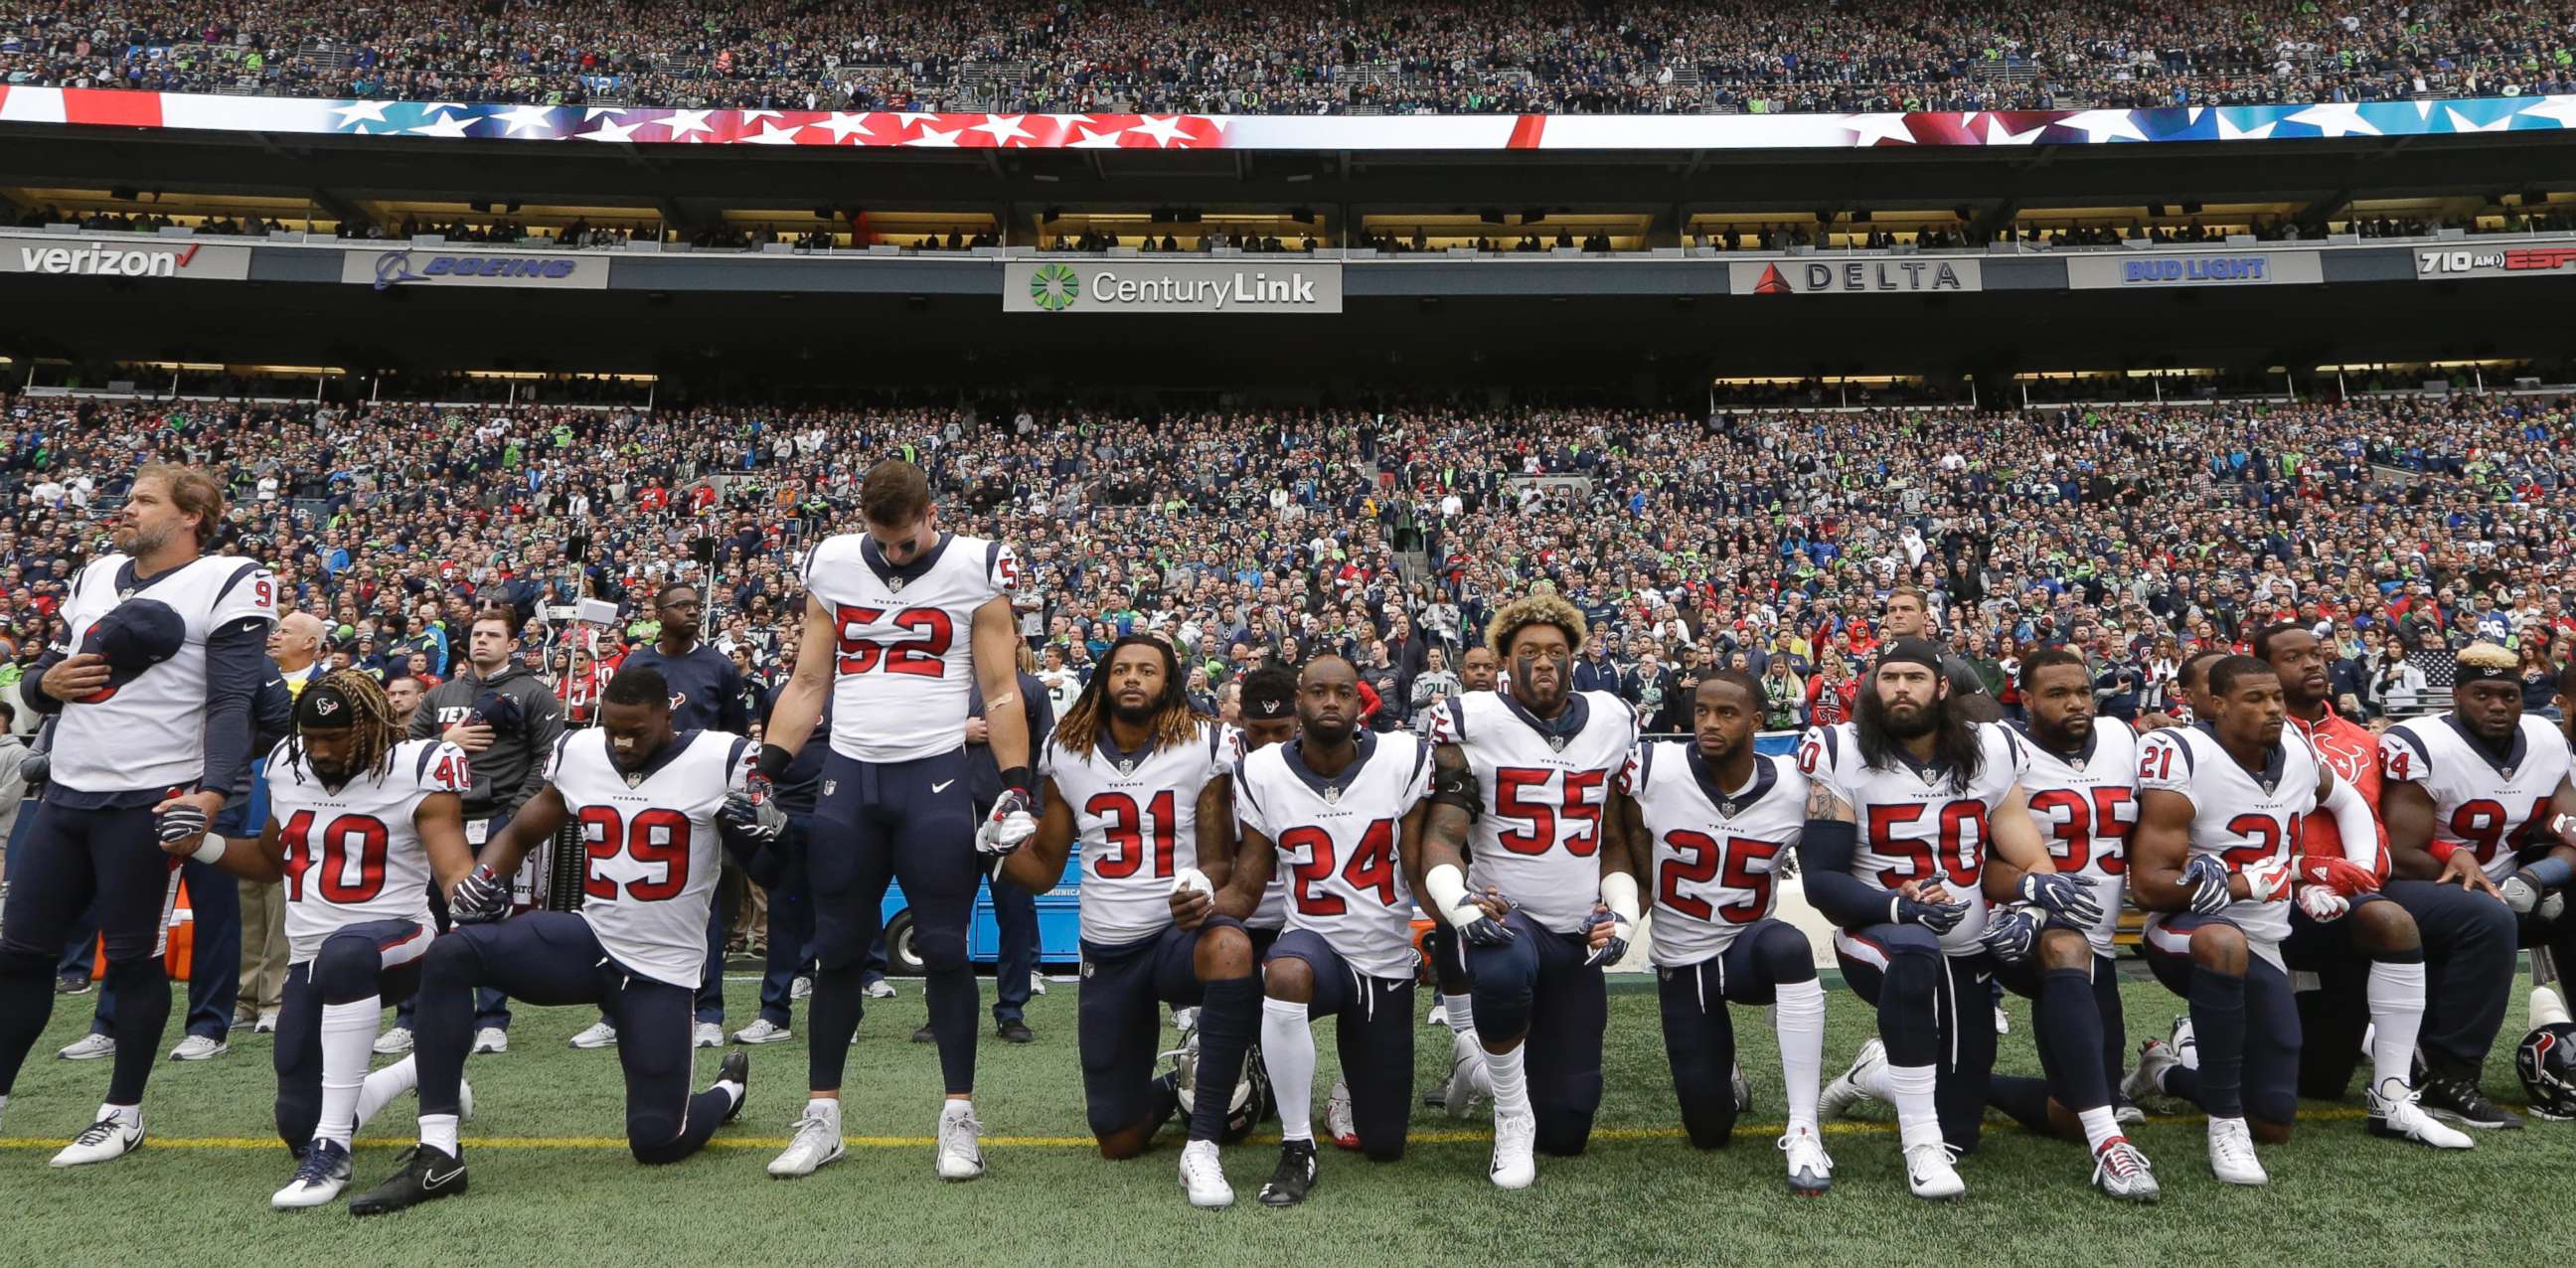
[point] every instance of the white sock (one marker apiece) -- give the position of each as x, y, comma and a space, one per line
2396, 995
382, 1087
830, 1106
438, 1131
1801, 1022
1877, 1084
1288, 1050
956, 1109
1462, 1013
129, 1115
348, 1044
2100, 1128
1909, 1089
1510, 1073
733, 1091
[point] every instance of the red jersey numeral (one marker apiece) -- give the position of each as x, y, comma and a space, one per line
1959, 841
2480, 826
1578, 807
1707, 858
2157, 764
1126, 830
652, 836
2264, 836
363, 836
1371, 867
2087, 822
925, 656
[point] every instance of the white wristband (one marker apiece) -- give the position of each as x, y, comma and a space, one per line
210, 850
1619, 894
1448, 889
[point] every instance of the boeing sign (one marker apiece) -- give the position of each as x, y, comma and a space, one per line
387, 270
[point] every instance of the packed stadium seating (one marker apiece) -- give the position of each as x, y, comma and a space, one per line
1425, 56
2406, 523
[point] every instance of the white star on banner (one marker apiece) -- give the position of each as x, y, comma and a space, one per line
1869, 129
612, 131
684, 122
1165, 129
360, 112
529, 118
2104, 125
446, 125
775, 135
844, 125
932, 138
2335, 118
1090, 140
1003, 128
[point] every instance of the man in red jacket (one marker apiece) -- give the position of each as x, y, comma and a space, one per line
2369, 953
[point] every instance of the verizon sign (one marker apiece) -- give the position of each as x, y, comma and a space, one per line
144, 258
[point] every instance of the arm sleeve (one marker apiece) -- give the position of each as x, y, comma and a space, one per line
2357, 827
236, 664
1825, 849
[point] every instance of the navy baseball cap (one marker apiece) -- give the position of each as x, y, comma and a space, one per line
136, 635
499, 711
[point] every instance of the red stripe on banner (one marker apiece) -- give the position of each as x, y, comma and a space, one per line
1526, 131
112, 107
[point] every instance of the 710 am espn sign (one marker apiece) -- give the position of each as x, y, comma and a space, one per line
2510, 262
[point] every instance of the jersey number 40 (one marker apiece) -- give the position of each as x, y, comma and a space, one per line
358, 837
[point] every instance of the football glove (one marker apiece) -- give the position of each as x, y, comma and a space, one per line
1616, 949
1009, 826
2322, 904
2010, 934
481, 898
1479, 929
2061, 895
2267, 881
1937, 917
2340, 875
753, 819
180, 822
2206, 876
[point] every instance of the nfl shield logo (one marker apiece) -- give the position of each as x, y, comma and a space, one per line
831, 786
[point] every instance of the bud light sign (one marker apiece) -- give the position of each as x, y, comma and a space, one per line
2252, 268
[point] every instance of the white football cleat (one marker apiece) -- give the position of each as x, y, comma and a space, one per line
816, 1142
492, 1039
464, 1101
1931, 1172
102, 1141
2394, 1113
2231, 1153
1811, 1169
88, 1048
878, 989
2122, 1172
763, 1031
1037, 982
598, 1034
709, 1035
2155, 1056
1337, 1116
1204, 1178
1741, 1088
961, 1145
1469, 1080
394, 1042
2186, 1042
199, 1048
1845, 1091
267, 1023
319, 1178
1515, 1150
1439, 1015
2003, 1021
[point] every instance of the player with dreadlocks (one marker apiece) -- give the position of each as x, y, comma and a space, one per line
1138, 778
360, 823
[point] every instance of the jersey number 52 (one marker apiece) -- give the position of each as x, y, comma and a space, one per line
926, 655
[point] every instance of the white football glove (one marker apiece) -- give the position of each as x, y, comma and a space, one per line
2323, 905
2267, 881
1009, 826
1192, 878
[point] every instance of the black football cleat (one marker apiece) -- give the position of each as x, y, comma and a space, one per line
925, 1034
736, 1069
429, 1173
1015, 1031
2462, 1102
1295, 1177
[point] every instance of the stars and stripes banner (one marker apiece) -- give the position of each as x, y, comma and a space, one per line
450, 119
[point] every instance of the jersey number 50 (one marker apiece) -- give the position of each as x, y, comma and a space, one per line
652, 836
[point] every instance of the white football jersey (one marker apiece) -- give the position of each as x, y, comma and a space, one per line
904, 646
1337, 842
2480, 804
1715, 849
354, 855
1273, 911
151, 733
2241, 817
1915, 822
1136, 820
2087, 805
654, 853
1541, 789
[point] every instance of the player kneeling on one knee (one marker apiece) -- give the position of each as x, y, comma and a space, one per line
656, 806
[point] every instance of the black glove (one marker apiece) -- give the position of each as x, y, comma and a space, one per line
2207, 877
2062, 895
2010, 934
180, 822
481, 898
1940, 918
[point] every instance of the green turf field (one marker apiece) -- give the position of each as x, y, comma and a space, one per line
552, 1183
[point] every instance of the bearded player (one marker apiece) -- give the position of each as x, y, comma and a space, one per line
655, 807
360, 823
1522, 782
1915, 820
1134, 776
2479, 801
1713, 818
899, 621
1339, 811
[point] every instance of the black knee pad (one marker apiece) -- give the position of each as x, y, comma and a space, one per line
649, 1134
1782, 954
24, 961
941, 950
1564, 1138
344, 971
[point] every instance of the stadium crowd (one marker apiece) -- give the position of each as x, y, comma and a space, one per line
1765, 539
1433, 56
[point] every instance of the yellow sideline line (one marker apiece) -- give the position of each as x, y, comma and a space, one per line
226, 1143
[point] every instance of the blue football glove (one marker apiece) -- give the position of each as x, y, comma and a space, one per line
2206, 876
481, 898
1937, 917
1484, 930
2061, 895
2010, 934
1616, 949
